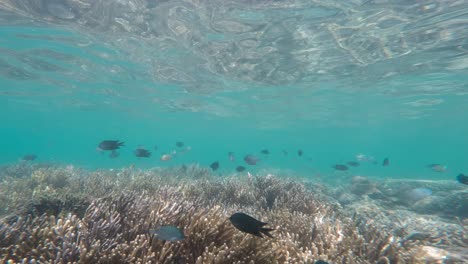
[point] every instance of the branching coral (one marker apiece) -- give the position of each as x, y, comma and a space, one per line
123, 206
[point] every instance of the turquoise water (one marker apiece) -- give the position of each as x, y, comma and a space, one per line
64, 88
335, 80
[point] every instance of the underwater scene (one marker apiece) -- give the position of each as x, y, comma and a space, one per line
234, 131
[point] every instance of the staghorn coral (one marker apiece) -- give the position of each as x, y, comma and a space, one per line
23, 169
42, 239
123, 205
51, 179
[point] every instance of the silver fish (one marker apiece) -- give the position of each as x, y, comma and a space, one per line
168, 233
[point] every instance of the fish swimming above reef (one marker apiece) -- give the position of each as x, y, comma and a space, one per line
182, 151
437, 167
240, 168
248, 224
166, 157
416, 236
461, 178
340, 167
179, 144
29, 157
365, 158
386, 162
353, 163
215, 165
251, 159
300, 153
168, 233
142, 153
110, 145
265, 151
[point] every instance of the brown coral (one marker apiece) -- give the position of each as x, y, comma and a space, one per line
127, 203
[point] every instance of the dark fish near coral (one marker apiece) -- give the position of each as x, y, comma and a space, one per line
215, 165
142, 153
240, 168
321, 262
299, 152
353, 163
416, 236
386, 162
168, 233
265, 151
248, 224
340, 167
110, 145
251, 159
29, 157
231, 156
179, 144
461, 178
114, 154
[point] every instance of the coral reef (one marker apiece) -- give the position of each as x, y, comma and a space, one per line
67, 215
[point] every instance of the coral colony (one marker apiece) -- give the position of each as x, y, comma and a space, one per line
53, 214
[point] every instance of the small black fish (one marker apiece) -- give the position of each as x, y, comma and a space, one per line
240, 168
142, 153
265, 151
251, 159
29, 157
110, 145
340, 167
461, 178
386, 162
299, 152
248, 224
353, 163
214, 166
179, 144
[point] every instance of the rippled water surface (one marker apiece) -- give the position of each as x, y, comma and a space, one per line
342, 124
333, 78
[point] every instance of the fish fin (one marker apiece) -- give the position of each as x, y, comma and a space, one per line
266, 231
120, 144
263, 224
259, 234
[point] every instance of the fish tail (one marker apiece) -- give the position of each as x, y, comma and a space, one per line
121, 144
266, 231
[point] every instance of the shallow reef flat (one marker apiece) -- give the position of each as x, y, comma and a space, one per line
61, 214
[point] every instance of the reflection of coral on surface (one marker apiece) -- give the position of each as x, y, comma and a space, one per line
105, 217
